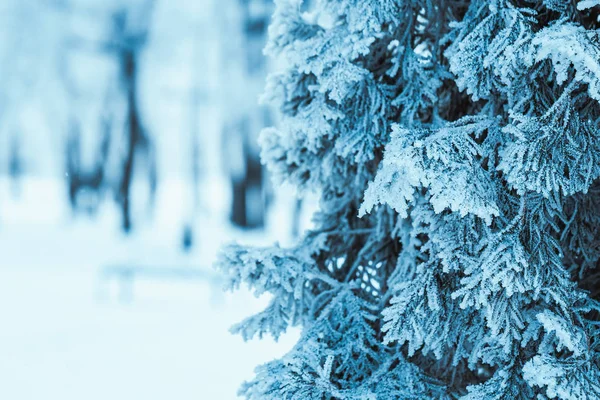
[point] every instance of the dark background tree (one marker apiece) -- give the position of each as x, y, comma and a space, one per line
248, 186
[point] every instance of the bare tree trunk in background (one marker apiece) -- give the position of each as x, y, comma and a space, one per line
296, 214
126, 36
236, 150
248, 202
194, 131
15, 165
255, 205
128, 63
127, 46
86, 185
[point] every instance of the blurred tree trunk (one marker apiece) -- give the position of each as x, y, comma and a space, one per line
127, 44
86, 184
15, 164
195, 99
248, 206
134, 135
123, 41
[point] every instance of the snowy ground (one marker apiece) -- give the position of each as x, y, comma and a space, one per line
65, 335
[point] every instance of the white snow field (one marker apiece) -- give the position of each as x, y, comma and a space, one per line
65, 334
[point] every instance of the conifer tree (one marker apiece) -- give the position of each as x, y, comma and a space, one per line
456, 149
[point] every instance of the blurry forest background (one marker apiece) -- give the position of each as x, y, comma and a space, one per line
128, 155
